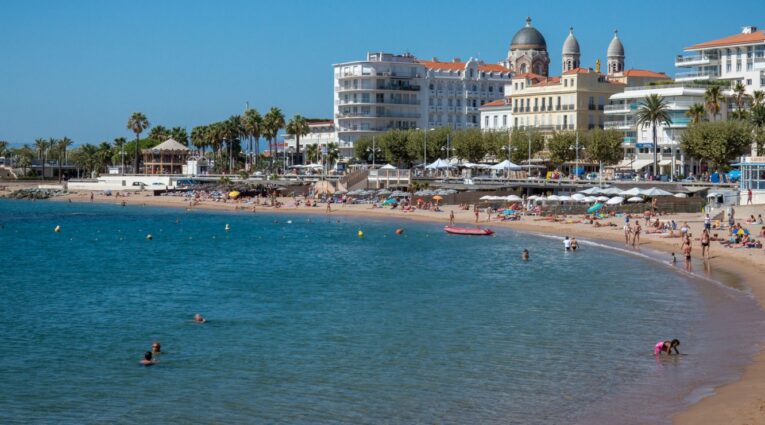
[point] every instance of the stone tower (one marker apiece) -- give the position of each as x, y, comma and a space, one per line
615, 55
571, 53
528, 51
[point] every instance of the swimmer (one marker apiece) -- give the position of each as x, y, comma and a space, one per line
199, 319
574, 244
666, 347
156, 349
525, 255
148, 360
674, 259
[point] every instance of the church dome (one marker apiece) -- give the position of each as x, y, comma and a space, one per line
571, 45
615, 48
528, 38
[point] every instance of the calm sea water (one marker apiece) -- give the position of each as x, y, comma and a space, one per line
309, 323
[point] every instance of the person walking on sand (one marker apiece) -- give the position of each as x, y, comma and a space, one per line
627, 233
451, 218
687, 253
749, 196
476, 212
705, 244
329, 205
636, 234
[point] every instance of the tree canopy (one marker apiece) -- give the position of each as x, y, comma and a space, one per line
718, 142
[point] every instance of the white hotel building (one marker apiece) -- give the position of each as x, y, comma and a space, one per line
388, 91
738, 58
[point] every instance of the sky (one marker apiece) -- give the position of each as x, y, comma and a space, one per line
79, 68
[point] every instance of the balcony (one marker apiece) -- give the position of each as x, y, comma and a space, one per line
624, 124
387, 114
376, 102
695, 60
759, 62
628, 140
621, 108
696, 75
680, 122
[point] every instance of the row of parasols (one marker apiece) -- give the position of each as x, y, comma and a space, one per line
605, 195
400, 194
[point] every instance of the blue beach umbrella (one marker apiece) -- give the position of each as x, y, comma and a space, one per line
389, 201
595, 207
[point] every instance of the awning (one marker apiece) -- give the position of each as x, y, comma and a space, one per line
639, 164
665, 162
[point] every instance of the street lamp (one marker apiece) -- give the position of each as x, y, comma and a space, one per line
373, 150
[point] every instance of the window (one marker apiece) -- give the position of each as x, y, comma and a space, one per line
365, 98
495, 121
471, 73
565, 82
749, 82
515, 122
504, 120
727, 67
738, 66
515, 85
491, 89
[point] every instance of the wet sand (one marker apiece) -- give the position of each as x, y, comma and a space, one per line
740, 402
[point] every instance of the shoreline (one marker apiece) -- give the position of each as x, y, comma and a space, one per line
741, 401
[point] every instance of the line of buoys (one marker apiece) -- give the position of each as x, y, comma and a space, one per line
57, 229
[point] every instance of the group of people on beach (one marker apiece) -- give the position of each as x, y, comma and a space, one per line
150, 358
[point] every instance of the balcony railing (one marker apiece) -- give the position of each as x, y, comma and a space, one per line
623, 107
680, 60
630, 122
697, 74
375, 102
377, 115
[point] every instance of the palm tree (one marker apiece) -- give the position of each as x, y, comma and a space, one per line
62, 146
272, 123
654, 111
3, 148
333, 153
739, 93
119, 147
713, 97
137, 124
299, 127
159, 133
312, 153
758, 96
199, 137
251, 123
232, 131
42, 146
696, 113
179, 135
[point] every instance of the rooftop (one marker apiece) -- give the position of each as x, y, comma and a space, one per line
457, 65
733, 40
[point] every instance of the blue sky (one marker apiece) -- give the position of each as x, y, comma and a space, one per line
79, 68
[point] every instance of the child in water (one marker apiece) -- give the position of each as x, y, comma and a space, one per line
666, 347
147, 359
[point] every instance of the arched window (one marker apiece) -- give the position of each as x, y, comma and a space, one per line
569, 65
523, 68
471, 73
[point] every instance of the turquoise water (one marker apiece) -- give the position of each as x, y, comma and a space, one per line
309, 323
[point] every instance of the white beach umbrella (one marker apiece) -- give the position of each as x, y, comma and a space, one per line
387, 167
655, 191
486, 198
635, 199
577, 196
505, 165
632, 192
591, 191
590, 199
680, 195
513, 198
553, 198
713, 195
611, 191
616, 200
601, 198
565, 199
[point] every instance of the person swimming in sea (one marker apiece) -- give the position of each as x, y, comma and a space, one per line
148, 360
574, 244
666, 347
156, 349
199, 319
525, 255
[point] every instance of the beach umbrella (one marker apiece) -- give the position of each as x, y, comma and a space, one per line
513, 198
713, 195
425, 192
611, 191
601, 198
590, 191
389, 201
553, 198
565, 199
589, 199
384, 192
486, 198
387, 167
616, 200
399, 194
505, 165
577, 196
595, 207
632, 192
635, 199
444, 192
654, 191
680, 195
532, 197
438, 198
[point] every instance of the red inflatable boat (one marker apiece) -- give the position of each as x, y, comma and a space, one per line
470, 232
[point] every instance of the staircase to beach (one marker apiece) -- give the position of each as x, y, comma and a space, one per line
354, 180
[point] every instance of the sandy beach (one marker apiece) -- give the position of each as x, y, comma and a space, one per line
740, 402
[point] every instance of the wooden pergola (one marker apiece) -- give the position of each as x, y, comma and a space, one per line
168, 157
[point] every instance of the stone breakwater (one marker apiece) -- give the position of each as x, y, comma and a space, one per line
34, 194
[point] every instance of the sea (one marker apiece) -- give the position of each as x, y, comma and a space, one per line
312, 322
